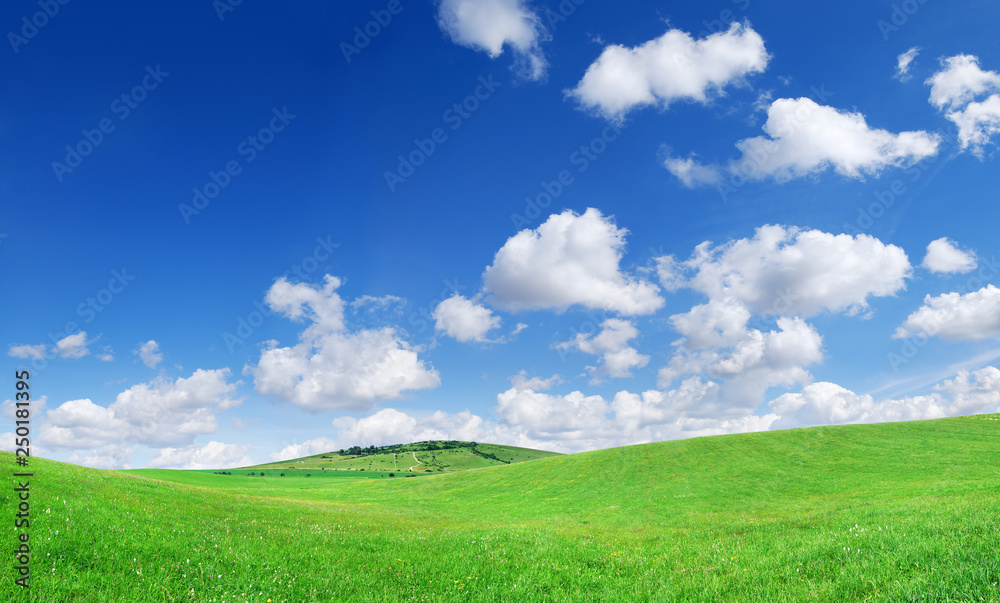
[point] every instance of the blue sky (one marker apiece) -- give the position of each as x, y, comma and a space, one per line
243, 233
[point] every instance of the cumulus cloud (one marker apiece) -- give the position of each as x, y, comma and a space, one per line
111, 456
158, 413
748, 365
959, 89
36, 405
804, 138
463, 319
691, 172
787, 271
149, 353
956, 317
308, 448
490, 25
390, 426
903, 62
569, 260
826, 403
332, 368
571, 422
575, 421
960, 80
973, 392
522, 381
617, 357
781, 273
214, 455
944, 257
830, 404
73, 346
670, 68
33, 352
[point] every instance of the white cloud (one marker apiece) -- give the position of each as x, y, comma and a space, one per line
748, 365
158, 413
973, 392
318, 445
787, 271
672, 67
803, 138
34, 352
464, 319
978, 123
489, 25
73, 346
956, 87
830, 404
572, 422
943, 256
956, 317
960, 80
521, 381
106, 457
214, 455
331, 368
691, 172
718, 323
903, 62
390, 426
576, 422
570, 259
783, 273
617, 358
149, 353
36, 407
826, 403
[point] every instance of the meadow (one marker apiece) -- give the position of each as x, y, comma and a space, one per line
894, 512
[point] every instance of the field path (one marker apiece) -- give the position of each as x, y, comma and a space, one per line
415, 459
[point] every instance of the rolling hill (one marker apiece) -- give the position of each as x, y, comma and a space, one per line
895, 511
438, 456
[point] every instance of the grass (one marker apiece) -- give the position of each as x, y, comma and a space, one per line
894, 512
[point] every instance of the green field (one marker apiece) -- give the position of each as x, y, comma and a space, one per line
894, 512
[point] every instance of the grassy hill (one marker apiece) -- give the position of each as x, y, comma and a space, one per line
896, 512
437, 456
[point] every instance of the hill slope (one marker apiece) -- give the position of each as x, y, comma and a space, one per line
438, 456
903, 511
